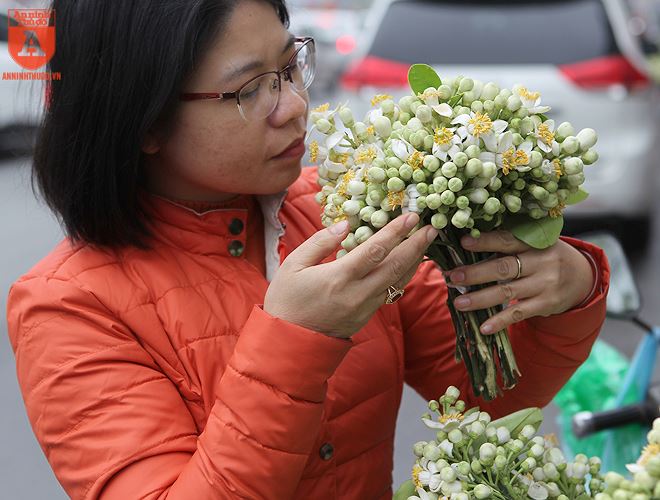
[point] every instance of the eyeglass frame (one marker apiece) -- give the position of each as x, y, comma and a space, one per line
286, 71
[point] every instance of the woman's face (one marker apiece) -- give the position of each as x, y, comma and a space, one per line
211, 153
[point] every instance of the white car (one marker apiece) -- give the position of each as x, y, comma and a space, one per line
20, 100
579, 54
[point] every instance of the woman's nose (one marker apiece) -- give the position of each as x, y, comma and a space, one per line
292, 105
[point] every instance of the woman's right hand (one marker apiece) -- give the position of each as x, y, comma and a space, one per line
338, 298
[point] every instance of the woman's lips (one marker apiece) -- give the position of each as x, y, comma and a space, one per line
296, 149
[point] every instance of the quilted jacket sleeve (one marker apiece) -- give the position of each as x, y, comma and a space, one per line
548, 349
113, 426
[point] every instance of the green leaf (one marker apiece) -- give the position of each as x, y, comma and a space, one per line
537, 233
455, 100
577, 197
516, 421
542, 117
406, 490
421, 77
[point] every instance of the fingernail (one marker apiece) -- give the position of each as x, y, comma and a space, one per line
457, 276
432, 234
410, 221
486, 329
468, 241
339, 228
462, 302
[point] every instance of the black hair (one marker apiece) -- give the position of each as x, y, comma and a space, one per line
122, 64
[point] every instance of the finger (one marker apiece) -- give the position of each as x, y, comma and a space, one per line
317, 247
494, 241
514, 314
398, 263
403, 282
498, 294
499, 269
367, 256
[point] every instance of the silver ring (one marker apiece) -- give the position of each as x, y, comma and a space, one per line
393, 294
519, 267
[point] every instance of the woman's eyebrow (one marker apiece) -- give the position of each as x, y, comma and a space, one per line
256, 64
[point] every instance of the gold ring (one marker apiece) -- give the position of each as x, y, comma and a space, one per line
393, 294
519, 267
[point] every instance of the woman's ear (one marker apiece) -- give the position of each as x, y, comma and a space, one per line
151, 144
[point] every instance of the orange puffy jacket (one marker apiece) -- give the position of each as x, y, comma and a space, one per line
156, 374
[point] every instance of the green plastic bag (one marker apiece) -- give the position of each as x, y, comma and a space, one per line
595, 387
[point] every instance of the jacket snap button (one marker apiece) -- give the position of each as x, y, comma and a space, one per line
236, 248
326, 451
236, 226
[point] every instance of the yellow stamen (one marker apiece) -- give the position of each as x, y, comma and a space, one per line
481, 124
450, 416
557, 165
526, 94
380, 98
508, 161
443, 136
545, 134
648, 453
313, 151
342, 185
415, 475
521, 158
552, 439
342, 216
416, 160
371, 131
341, 158
395, 199
556, 211
366, 155
427, 94
322, 108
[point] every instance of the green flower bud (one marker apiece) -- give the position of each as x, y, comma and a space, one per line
416, 103
414, 124
476, 467
448, 474
518, 140
424, 113
447, 197
431, 162
500, 102
455, 184
468, 98
323, 126
462, 202
376, 175
512, 203
405, 172
587, 138
433, 201
421, 202
341, 253
460, 218
563, 131
476, 429
395, 185
363, 233
526, 126
346, 116
519, 184
473, 151
356, 188
439, 221
460, 159
487, 451
383, 126
513, 103
428, 143
366, 213
418, 448
387, 106
449, 169
590, 157
550, 471
653, 466
521, 113
405, 102
551, 186
455, 436
477, 107
489, 106
440, 183
444, 92
432, 452
528, 464
379, 219
418, 176
495, 184
515, 124
479, 196
576, 179
474, 168
404, 117
440, 436
417, 140
551, 201
537, 173
463, 468
422, 187
538, 192
573, 166
393, 162
349, 242
570, 145
352, 207
500, 463
466, 85
492, 206
482, 491
490, 91
392, 172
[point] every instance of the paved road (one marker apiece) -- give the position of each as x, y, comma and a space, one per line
28, 232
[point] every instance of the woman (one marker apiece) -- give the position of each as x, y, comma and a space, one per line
194, 337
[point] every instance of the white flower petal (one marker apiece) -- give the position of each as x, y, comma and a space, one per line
539, 109
537, 492
556, 148
487, 156
444, 109
432, 424
423, 495
400, 149
373, 114
334, 139
550, 124
506, 142
544, 147
337, 168
448, 447
490, 141
526, 147
462, 119
499, 126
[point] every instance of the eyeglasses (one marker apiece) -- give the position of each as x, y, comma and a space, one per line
258, 98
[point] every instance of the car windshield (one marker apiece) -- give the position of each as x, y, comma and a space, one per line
494, 32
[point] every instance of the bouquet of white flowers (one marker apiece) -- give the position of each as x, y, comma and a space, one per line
474, 457
468, 157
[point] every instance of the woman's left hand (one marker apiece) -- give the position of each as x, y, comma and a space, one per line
552, 280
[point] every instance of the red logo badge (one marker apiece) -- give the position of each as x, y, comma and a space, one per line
31, 36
